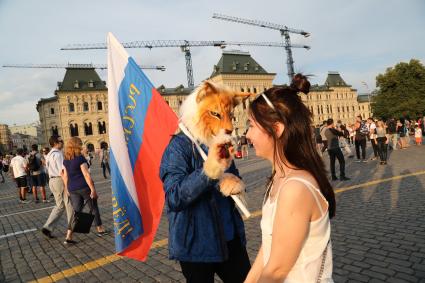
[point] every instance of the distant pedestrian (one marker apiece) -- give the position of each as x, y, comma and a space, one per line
392, 133
334, 150
54, 164
382, 140
1, 168
418, 135
19, 172
372, 136
318, 139
362, 131
401, 131
322, 134
244, 146
38, 178
105, 160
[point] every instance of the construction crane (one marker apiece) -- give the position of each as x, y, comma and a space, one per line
184, 45
79, 66
284, 32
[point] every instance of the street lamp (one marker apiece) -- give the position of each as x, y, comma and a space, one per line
368, 95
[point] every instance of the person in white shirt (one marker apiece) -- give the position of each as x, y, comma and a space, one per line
54, 164
19, 172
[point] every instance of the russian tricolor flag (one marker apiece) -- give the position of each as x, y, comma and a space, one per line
140, 127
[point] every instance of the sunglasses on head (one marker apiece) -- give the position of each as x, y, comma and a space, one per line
269, 103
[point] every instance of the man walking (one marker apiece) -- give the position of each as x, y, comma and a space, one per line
19, 172
54, 163
334, 150
362, 131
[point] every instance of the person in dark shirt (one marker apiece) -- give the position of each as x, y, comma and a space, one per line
79, 184
334, 150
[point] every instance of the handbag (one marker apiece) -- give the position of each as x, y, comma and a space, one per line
81, 222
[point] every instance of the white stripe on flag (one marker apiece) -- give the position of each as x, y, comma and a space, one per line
117, 62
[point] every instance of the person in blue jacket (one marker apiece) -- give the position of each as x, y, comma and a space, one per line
206, 231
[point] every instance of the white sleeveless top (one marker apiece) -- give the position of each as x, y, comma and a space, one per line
307, 267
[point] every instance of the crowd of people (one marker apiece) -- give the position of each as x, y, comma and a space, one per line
383, 135
64, 170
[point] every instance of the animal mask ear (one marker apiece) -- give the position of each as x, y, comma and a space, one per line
241, 96
206, 89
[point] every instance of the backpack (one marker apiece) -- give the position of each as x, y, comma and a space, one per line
363, 129
34, 163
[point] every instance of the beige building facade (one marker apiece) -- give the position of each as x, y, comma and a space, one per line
337, 100
5, 139
23, 141
79, 108
32, 129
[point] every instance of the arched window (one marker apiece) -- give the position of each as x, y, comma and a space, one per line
101, 126
86, 106
255, 90
242, 90
99, 105
73, 130
88, 129
71, 107
76, 129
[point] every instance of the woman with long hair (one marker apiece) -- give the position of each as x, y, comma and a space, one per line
79, 185
299, 200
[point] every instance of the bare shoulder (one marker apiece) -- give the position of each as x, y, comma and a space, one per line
294, 189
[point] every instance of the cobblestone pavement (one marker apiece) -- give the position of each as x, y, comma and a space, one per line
378, 234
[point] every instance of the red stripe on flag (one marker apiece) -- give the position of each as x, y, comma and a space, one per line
160, 124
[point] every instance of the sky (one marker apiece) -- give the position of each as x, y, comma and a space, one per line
360, 39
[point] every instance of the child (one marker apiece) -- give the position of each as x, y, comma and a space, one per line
418, 135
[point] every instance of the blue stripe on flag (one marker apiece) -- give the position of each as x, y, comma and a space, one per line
135, 94
126, 215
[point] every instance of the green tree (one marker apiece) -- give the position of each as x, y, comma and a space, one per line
400, 91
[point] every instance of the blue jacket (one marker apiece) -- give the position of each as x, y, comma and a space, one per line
194, 204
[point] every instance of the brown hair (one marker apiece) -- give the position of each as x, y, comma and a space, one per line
296, 144
73, 148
